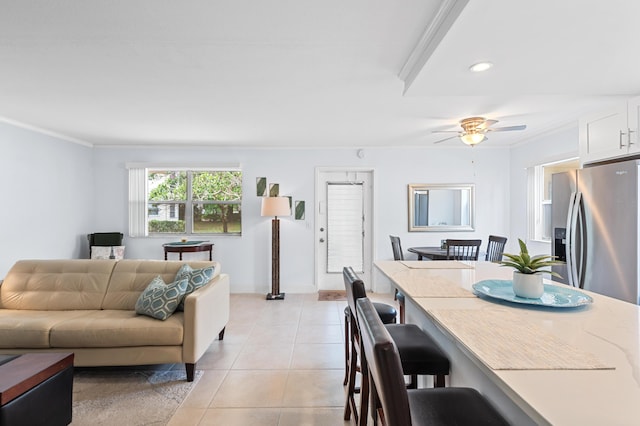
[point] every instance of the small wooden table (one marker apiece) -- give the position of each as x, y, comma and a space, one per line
433, 253
187, 247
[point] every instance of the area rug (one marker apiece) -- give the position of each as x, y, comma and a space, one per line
128, 397
331, 295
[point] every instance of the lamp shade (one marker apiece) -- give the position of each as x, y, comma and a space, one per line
275, 206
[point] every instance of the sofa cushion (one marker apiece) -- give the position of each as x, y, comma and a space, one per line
159, 300
117, 328
131, 276
26, 329
56, 284
197, 278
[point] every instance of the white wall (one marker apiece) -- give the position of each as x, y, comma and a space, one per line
246, 258
554, 146
47, 206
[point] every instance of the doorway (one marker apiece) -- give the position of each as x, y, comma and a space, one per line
344, 225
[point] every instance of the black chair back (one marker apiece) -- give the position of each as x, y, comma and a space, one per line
381, 362
463, 249
495, 248
354, 288
396, 247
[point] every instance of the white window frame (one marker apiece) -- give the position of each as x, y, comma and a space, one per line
138, 195
537, 202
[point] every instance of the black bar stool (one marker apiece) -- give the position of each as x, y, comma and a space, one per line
391, 401
420, 354
387, 314
396, 247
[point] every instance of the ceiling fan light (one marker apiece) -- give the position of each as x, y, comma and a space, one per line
472, 138
480, 66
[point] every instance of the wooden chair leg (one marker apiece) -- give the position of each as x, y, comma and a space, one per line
401, 311
364, 397
221, 334
350, 403
438, 381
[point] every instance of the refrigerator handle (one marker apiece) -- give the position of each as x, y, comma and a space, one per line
582, 227
569, 238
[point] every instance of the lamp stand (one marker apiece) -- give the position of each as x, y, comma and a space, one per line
275, 261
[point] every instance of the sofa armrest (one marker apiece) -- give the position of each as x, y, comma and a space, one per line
206, 313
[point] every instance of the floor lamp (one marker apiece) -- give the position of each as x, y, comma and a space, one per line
275, 206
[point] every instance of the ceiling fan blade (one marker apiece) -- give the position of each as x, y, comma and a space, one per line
445, 139
445, 131
486, 124
508, 128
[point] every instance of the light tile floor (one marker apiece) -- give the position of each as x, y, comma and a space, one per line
280, 363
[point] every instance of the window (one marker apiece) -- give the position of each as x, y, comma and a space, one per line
540, 196
184, 201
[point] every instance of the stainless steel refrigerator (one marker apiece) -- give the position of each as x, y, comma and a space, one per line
594, 217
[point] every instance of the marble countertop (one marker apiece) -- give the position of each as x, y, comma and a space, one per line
608, 329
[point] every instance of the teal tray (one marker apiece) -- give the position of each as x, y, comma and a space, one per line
186, 243
554, 296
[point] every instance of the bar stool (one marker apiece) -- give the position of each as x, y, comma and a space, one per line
387, 314
382, 369
396, 247
420, 354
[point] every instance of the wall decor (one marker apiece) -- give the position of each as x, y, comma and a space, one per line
299, 215
441, 207
274, 189
261, 187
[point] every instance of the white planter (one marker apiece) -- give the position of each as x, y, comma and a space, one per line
527, 285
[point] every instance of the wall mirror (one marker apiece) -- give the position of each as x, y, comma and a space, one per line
441, 207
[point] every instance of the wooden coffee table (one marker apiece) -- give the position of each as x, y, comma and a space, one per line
23, 377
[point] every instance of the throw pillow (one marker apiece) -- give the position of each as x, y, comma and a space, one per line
160, 300
197, 278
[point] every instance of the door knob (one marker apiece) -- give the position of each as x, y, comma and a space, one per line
321, 229
322, 240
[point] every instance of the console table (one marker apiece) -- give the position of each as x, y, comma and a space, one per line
187, 247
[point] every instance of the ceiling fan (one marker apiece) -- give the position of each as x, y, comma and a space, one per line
474, 129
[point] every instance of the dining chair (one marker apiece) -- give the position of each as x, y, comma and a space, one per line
396, 247
463, 249
495, 248
396, 405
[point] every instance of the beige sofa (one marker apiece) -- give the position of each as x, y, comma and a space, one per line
88, 307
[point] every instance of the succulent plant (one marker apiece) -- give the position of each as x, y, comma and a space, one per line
526, 264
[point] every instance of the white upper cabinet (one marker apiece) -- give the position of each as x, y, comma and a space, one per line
610, 134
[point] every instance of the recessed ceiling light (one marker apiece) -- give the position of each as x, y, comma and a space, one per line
480, 66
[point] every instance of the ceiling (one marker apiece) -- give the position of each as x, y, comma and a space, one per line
302, 73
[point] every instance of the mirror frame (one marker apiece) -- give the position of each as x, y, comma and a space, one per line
413, 187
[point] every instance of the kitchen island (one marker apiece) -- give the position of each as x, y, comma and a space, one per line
537, 365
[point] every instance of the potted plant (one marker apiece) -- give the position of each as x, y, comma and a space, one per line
527, 277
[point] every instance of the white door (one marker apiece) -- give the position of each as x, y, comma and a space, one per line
344, 231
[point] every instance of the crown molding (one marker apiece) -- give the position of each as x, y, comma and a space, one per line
431, 37
45, 132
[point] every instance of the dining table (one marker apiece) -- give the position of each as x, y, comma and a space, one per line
433, 253
538, 361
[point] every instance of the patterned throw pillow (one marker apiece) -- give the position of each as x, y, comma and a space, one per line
197, 278
160, 300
